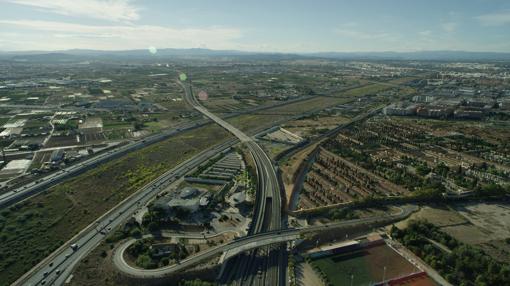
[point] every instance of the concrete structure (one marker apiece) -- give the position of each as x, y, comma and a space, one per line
467, 114
163, 249
91, 125
283, 136
423, 98
434, 111
400, 109
187, 199
57, 156
11, 132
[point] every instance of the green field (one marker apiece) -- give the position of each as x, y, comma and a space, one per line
363, 266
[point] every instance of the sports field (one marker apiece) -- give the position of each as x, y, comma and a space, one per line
364, 266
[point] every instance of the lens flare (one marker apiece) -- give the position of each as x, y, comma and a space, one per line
153, 50
202, 95
183, 77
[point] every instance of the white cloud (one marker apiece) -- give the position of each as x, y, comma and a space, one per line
494, 19
449, 27
425, 33
361, 35
112, 10
49, 35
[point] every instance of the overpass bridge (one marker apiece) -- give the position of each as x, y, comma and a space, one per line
226, 251
247, 243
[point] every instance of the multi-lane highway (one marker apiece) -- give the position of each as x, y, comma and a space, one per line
250, 242
267, 211
56, 268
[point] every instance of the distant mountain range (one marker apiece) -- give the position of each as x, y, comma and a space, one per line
421, 55
79, 54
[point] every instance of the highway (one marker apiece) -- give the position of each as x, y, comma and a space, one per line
247, 243
64, 259
18, 194
267, 210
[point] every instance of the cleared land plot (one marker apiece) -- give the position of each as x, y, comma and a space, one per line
439, 215
495, 218
60, 141
117, 134
366, 266
311, 126
92, 138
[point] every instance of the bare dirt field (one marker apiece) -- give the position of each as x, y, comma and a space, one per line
484, 225
439, 215
494, 218
291, 167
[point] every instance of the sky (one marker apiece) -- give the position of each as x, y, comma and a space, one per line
290, 26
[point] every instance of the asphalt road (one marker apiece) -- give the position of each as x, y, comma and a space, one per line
239, 245
267, 212
248, 243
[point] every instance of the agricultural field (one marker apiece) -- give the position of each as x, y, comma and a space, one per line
311, 126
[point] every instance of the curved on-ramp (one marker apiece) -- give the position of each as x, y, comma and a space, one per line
247, 243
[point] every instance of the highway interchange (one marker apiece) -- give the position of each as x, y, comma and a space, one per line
265, 264
57, 268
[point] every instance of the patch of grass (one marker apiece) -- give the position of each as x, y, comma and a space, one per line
364, 266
